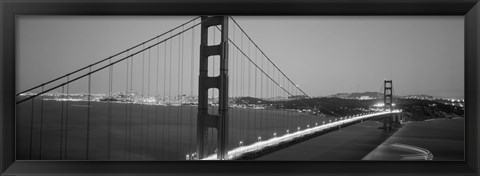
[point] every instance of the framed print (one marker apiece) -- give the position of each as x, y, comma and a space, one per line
255, 87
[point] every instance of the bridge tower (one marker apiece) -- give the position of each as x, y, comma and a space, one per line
205, 120
387, 101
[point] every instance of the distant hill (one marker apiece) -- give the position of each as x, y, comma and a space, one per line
420, 96
357, 95
414, 109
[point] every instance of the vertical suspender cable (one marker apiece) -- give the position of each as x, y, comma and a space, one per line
275, 98
285, 122
235, 121
239, 90
109, 114
263, 100
191, 92
182, 36
126, 108
164, 98
235, 80
170, 87
132, 99
66, 119
41, 125
230, 96
61, 122
243, 90
31, 130
148, 107
267, 92
279, 102
290, 108
256, 102
272, 90
298, 119
142, 103
179, 95
233, 92
248, 94
88, 111
156, 98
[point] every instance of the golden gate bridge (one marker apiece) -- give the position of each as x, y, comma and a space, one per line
203, 90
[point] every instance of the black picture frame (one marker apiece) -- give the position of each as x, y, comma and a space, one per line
9, 9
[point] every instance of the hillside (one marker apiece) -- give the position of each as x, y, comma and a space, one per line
356, 95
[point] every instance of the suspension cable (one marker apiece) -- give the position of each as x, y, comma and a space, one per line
113, 63
83, 68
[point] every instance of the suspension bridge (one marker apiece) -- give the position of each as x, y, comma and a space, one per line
203, 90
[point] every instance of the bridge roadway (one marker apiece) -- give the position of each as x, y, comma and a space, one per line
239, 151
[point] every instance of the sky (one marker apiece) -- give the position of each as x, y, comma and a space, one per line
324, 55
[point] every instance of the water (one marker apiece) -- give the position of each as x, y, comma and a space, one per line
443, 138
138, 132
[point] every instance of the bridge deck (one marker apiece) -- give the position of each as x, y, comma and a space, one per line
239, 151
